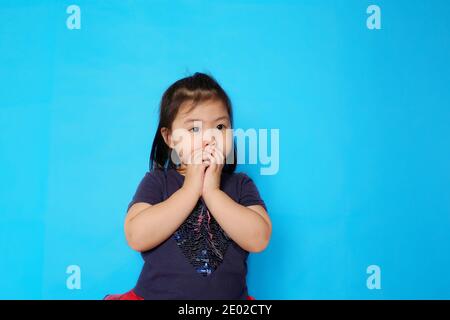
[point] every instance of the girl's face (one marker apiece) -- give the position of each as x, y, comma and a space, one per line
205, 126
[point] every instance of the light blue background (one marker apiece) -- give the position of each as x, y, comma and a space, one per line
364, 138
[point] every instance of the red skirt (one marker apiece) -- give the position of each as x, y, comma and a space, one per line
131, 295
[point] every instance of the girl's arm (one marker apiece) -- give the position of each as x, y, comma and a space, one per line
146, 226
250, 227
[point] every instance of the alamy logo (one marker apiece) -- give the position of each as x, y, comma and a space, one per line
258, 148
73, 281
258, 151
74, 20
374, 279
374, 20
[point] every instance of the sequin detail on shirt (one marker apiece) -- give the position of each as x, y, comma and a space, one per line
202, 240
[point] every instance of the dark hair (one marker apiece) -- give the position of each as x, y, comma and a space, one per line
197, 88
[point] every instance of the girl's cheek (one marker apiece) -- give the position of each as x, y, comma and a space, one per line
191, 144
228, 143
196, 143
178, 139
189, 149
184, 148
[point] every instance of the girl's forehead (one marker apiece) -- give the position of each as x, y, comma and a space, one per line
204, 111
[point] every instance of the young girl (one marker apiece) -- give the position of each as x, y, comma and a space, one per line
192, 217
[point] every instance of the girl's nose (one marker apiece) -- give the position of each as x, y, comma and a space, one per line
209, 142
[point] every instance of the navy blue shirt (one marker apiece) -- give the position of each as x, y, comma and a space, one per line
199, 260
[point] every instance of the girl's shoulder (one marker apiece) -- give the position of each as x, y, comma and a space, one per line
247, 192
155, 173
153, 178
150, 188
239, 177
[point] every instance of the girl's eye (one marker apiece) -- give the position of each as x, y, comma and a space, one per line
220, 127
194, 129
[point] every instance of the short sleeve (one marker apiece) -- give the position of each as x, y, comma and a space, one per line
249, 194
149, 190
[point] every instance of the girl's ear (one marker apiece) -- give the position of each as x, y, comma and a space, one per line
165, 132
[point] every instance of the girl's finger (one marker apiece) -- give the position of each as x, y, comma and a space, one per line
212, 161
209, 150
219, 156
211, 158
205, 160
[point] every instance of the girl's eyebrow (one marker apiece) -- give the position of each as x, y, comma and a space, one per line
221, 118
217, 119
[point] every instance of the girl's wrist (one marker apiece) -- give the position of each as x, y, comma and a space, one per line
190, 192
210, 192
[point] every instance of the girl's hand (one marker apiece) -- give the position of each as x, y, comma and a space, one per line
211, 180
195, 172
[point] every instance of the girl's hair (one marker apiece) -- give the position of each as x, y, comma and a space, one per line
197, 88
